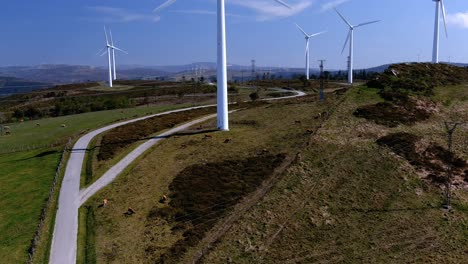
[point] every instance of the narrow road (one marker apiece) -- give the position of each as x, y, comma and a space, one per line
63, 248
65, 236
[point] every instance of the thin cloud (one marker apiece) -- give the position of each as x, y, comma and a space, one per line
202, 12
113, 14
164, 5
268, 9
195, 12
458, 19
332, 4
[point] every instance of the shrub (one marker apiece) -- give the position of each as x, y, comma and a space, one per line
254, 96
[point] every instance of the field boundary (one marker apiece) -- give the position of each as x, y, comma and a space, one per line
35, 241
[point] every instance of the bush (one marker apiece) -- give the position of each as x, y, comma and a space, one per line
205, 192
419, 78
254, 96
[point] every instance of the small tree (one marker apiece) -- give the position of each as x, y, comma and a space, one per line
450, 128
254, 96
18, 114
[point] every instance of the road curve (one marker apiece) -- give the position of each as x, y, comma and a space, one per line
64, 240
113, 172
63, 247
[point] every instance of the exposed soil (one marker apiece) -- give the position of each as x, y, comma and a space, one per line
202, 194
429, 158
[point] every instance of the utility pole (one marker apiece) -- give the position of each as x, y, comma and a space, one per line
253, 69
322, 94
350, 71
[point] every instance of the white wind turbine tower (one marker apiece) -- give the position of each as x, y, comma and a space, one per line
222, 93
307, 53
350, 38
439, 5
110, 48
114, 48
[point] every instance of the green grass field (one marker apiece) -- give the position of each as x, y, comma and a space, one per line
25, 180
50, 130
26, 176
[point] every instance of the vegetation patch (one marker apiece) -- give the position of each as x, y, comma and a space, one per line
419, 77
429, 158
398, 109
120, 137
201, 194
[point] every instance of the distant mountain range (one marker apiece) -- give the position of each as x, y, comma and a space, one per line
11, 85
27, 78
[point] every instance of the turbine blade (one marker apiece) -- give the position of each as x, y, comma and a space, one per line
119, 49
344, 19
104, 53
346, 42
302, 30
164, 5
112, 41
444, 16
367, 23
316, 34
105, 33
99, 52
283, 3
307, 47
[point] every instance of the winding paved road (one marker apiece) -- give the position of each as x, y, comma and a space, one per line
64, 240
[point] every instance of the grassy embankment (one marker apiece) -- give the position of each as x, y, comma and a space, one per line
264, 131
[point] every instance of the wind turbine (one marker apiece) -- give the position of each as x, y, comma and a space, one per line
109, 59
350, 38
439, 6
114, 48
222, 94
307, 55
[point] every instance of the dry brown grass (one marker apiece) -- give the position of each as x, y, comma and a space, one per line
346, 200
351, 201
270, 128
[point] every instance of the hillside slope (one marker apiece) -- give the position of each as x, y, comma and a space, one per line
349, 200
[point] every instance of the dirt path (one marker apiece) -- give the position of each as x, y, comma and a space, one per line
63, 247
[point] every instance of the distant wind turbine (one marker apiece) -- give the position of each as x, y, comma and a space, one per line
110, 51
350, 38
109, 59
307, 54
222, 94
435, 52
114, 48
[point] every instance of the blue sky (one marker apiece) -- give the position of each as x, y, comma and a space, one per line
71, 32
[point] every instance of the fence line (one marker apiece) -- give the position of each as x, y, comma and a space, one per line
30, 147
37, 235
